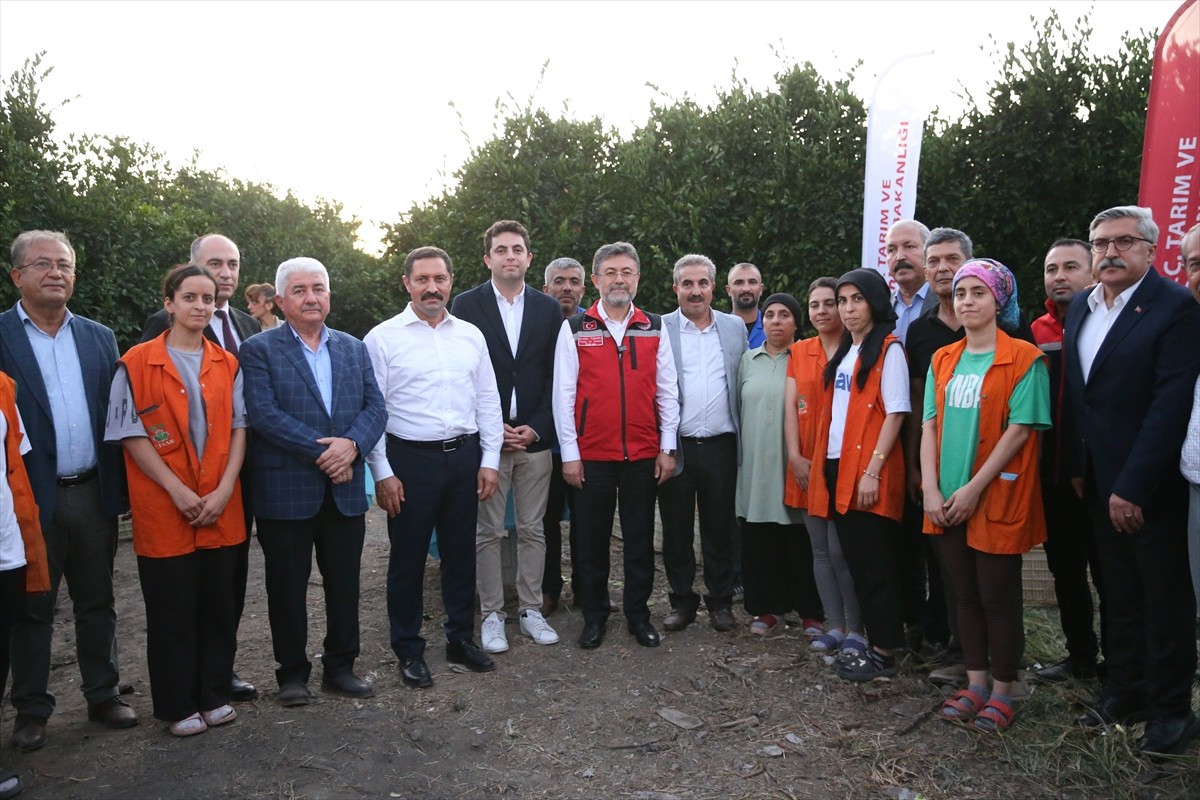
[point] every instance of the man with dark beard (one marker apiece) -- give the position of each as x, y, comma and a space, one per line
745, 289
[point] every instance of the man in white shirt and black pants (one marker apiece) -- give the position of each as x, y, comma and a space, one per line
437, 461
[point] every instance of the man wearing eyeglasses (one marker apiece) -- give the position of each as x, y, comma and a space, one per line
616, 410
63, 365
1131, 364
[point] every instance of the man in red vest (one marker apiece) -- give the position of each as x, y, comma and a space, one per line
616, 409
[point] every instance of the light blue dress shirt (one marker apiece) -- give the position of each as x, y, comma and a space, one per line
321, 366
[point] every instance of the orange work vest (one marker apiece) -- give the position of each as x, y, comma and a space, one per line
864, 420
37, 568
1009, 518
161, 402
805, 366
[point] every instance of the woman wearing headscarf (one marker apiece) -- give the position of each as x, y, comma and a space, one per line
985, 398
776, 555
176, 406
857, 476
835, 585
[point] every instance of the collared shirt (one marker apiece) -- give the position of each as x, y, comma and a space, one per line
705, 397
566, 384
905, 314
1097, 323
218, 327
755, 335
1189, 457
62, 374
437, 383
511, 314
320, 364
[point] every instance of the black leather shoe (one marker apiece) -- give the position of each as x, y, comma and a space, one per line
113, 712
292, 695
467, 653
645, 634
722, 619
242, 691
1164, 737
549, 605
1066, 670
415, 672
348, 684
592, 635
679, 619
1109, 710
29, 733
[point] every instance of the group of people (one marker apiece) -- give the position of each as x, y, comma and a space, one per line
881, 479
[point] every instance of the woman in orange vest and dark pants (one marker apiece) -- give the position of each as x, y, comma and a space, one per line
857, 475
177, 407
985, 397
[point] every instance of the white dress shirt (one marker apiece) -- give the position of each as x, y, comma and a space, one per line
12, 546
512, 315
705, 400
1098, 322
217, 326
566, 384
437, 383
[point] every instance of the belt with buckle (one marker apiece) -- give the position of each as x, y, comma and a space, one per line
444, 446
704, 439
79, 479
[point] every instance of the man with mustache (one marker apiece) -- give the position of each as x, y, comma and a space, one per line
564, 282
745, 288
617, 412
1069, 546
904, 248
708, 347
519, 324
229, 327
439, 460
1131, 365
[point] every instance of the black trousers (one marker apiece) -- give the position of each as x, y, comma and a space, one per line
558, 499
191, 630
777, 570
288, 546
871, 544
603, 482
12, 586
1150, 609
708, 480
439, 491
1070, 550
929, 601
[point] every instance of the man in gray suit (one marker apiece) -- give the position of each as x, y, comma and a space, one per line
707, 346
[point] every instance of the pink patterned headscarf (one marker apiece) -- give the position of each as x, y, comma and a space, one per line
1000, 280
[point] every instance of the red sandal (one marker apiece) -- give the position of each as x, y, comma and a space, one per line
995, 717
964, 705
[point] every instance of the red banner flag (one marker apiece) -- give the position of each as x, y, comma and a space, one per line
1170, 181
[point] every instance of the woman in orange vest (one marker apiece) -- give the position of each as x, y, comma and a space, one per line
177, 407
985, 398
843, 619
857, 475
23, 564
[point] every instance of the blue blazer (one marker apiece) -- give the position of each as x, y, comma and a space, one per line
530, 373
287, 415
98, 355
1129, 420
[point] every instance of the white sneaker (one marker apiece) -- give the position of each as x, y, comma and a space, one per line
534, 625
492, 633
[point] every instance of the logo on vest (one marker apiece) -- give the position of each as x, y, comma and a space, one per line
589, 324
590, 341
160, 437
642, 326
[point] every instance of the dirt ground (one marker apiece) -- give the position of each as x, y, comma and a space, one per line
770, 722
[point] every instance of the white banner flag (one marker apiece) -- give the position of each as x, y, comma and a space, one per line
894, 126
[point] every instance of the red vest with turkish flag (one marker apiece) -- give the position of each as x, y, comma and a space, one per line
616, 417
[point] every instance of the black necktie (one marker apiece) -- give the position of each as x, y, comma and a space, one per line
227, 331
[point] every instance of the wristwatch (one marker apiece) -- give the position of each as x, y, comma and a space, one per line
670, 453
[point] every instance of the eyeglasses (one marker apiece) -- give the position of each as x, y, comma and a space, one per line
611, 274
45, 265
1122, 243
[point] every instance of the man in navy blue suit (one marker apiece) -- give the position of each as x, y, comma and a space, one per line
1131, 361
63, 365
520, 325
311, 395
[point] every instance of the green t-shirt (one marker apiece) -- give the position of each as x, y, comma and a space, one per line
1029, 405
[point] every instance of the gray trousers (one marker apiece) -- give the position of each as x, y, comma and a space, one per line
81, 543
